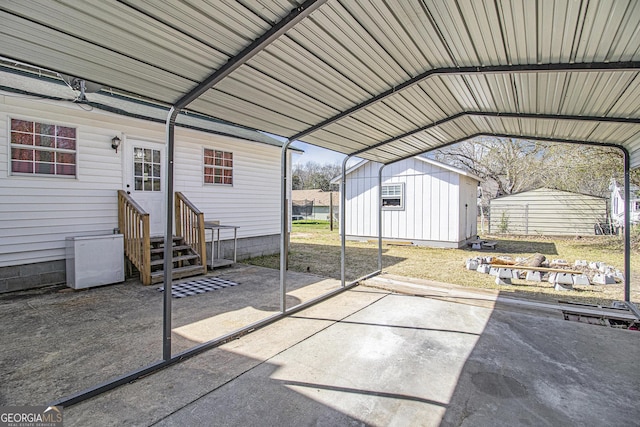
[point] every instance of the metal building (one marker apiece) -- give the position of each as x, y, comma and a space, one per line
547, 212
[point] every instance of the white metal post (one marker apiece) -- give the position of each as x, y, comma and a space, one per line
284, 224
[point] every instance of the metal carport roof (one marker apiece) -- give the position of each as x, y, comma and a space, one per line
402, 77
383, 79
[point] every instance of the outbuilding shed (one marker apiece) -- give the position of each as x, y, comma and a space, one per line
546, 211
423, 201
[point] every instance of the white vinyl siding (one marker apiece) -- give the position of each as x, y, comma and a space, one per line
37, 213
253, 202
431, 203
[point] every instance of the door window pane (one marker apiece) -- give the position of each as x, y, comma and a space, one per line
147, 169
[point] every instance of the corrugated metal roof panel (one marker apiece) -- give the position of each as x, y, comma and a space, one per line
75, 57
347, 53
124, 30
230, 24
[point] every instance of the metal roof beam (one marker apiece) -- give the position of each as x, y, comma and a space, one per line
493, 69
294, 17
621, 120
505, 135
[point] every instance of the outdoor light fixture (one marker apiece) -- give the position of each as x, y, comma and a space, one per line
115, 143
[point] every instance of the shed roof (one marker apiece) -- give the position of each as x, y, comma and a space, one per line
381, 80
417, 158
544, 191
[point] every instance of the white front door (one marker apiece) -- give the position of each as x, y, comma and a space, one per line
145, 169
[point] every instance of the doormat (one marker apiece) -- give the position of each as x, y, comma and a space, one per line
199, 286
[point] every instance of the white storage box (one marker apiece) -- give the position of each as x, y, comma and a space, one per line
94, 260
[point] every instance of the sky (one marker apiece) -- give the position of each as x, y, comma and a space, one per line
316, 154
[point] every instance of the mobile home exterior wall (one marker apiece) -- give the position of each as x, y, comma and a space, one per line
38, 212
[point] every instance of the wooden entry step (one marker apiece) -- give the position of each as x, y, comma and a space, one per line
186, 262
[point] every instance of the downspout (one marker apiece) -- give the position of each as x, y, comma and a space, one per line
168, 237
343, 216
284, 224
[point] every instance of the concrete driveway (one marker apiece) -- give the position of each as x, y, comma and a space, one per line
369, 356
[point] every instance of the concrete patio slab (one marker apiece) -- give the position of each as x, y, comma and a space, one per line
58, 341
373, 357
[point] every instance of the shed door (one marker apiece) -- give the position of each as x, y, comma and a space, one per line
145, 180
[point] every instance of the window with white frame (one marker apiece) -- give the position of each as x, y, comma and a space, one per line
393, 196
218, 167
42, 149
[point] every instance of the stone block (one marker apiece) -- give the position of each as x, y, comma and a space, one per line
534, 276
594, 265
493, 271
515, 274
472, 264
42, 267
19, 283
562, 287
581, 279
483, 268
603, 279
53, 278
551, 278
503, 281
581, 263
505, 273
9, 272
563, 279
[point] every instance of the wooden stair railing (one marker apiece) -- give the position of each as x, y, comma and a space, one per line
190, 225
133, 222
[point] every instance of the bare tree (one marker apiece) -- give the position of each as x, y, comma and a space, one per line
509, 165
312, 175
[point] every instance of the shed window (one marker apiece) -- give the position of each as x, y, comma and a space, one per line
42, 149
393, 196
218, 167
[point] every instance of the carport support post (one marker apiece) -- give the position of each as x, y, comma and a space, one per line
284, 225
627, 228
380, 217
168, 238
343, 216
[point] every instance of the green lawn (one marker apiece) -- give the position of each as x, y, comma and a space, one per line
316, 249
